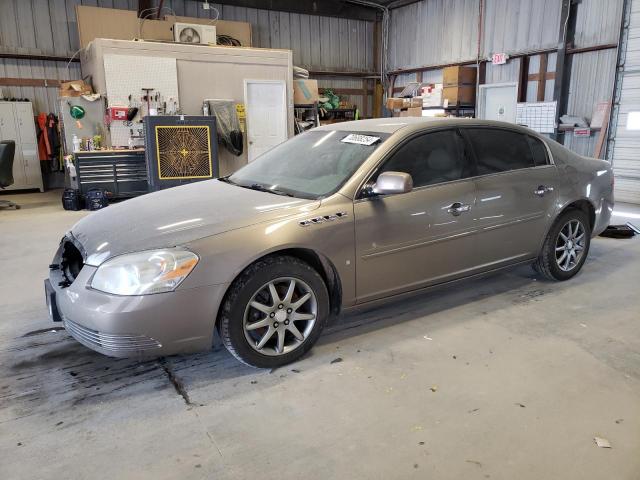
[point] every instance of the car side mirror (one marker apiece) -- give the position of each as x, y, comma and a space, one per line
392, 182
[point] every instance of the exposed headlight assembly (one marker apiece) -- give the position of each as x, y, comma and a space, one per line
144, 273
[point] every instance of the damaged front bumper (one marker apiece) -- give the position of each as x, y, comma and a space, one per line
181, 321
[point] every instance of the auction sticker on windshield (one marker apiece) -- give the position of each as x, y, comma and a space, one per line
360, 139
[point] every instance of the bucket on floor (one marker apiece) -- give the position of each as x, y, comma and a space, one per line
71, 199
96, 199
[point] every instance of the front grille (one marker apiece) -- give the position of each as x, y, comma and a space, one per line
121, 343
71, 261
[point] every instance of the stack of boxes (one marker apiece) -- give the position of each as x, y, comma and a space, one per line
405, 107
459, 85
458, 89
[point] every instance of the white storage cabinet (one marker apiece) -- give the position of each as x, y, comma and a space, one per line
17, 124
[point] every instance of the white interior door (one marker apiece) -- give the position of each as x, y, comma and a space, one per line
498, 102
266, 111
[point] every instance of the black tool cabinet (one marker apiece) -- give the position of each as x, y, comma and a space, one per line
122, 173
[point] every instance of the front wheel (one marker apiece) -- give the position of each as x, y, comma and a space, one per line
566, 247
274, 312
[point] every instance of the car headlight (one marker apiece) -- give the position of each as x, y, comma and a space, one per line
144, 273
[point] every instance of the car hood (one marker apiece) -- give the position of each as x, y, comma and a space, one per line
177, 216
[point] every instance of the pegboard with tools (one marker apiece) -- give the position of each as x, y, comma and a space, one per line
143, 85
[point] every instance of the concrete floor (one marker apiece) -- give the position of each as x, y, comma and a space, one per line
507, 377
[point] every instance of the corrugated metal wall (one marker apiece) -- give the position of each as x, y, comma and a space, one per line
48, 27
515, 26
532, 85
433, 32
430, 32
598, 22
592, 77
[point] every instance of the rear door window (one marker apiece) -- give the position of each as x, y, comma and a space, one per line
500, 150
431, 158
539, 151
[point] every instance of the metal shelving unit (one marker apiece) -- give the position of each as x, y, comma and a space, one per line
307, 116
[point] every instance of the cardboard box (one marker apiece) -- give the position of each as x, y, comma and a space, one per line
394, 103
408, 112
305, 92
452, 76
118, 24
74, 88
460, 95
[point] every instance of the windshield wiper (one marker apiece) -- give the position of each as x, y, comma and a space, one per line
255, 186
261, 188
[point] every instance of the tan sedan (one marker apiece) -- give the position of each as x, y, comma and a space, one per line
339, 217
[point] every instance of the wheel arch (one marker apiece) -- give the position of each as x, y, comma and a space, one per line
583, 204
319, 262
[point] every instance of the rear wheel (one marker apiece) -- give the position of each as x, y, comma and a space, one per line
566, 247
274, 312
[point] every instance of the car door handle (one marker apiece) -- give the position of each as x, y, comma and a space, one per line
457, 208
542, 189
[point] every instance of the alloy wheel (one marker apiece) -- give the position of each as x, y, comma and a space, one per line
280, 316
570, 245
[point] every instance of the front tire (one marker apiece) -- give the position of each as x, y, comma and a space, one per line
566, 246
274, 312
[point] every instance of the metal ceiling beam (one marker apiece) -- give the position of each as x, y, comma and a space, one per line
398, 3
328, 8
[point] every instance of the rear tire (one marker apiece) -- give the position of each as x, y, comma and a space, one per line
274, 312
566, 246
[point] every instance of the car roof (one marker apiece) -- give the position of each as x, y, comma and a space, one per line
392, 125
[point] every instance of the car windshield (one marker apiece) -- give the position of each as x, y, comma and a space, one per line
312, 165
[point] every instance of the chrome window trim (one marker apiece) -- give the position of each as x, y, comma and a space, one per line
367, 178
514, 170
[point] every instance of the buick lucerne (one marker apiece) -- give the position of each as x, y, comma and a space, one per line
336, 218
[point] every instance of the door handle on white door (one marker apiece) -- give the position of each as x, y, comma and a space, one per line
457, 208
542, 189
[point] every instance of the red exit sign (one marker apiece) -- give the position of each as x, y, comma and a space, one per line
499, 58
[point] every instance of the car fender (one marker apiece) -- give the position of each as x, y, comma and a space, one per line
331, 236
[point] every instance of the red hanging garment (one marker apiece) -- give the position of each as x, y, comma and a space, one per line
44, 149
